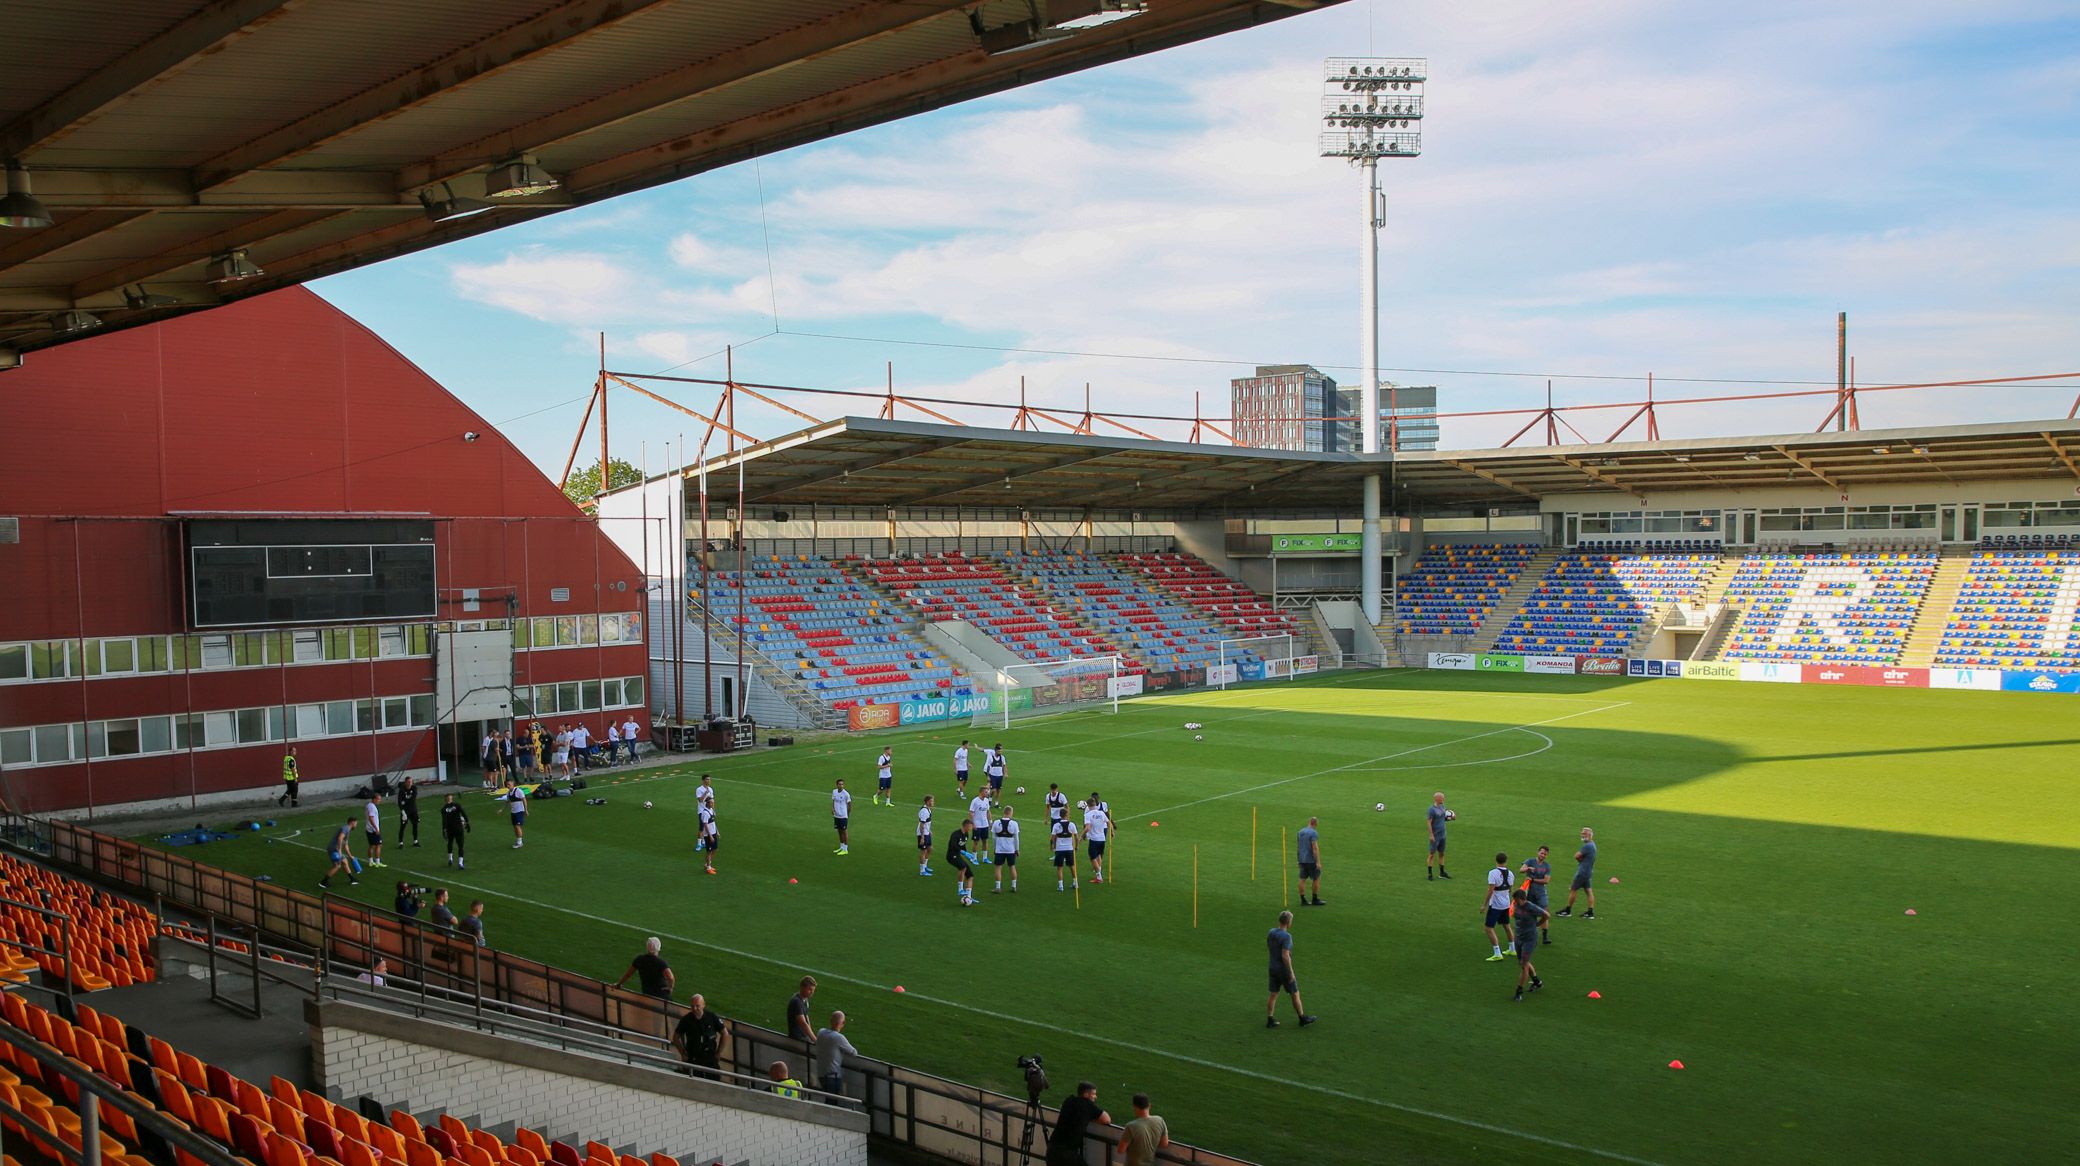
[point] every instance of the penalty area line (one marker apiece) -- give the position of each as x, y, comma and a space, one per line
1095, 1038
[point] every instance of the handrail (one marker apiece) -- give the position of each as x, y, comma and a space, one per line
63, 952
96, 1091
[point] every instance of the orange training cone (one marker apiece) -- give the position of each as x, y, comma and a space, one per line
1595, 995
899, 987
1675, 1064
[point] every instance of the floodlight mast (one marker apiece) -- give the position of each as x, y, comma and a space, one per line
1372, 108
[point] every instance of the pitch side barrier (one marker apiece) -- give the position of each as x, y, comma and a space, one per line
982, 704
953, 1121
1762, 672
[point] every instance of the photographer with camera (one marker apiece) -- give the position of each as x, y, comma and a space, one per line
408, 902
1078, 1113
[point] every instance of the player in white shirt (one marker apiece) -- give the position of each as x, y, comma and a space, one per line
1005, 839
841, 813
1064, 832
613, 743
960, 769
628, 734
993, 767
886, 771
372, 827
978, 822
711, 834
924, 836
1057, 803
516, 805
703, 794
1097, 825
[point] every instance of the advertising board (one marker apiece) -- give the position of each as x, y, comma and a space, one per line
2040, 681
1117, 686
1711, 670
1772, 672
1489, 662
1598, 665
1976, 679
1454, 661
1550, 665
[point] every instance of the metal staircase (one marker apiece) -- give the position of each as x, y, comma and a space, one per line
1513, 600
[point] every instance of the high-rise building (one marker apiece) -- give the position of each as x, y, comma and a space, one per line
1297, 406
1414, 406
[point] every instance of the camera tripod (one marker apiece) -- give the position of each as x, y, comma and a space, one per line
1033, 1118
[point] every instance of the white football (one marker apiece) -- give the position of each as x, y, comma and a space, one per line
1451, 815
1021, 789
1380, 806
646, 805
1197, 737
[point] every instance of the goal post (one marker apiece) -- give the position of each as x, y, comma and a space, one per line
1254, 658
1047, 687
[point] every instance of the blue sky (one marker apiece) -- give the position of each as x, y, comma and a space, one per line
1607, 190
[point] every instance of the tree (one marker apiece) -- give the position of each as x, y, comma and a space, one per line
584, 484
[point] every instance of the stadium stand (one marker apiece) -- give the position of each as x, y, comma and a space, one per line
1151, 626
2017, 607
832, 633
1454, 586
1846, 607
953, 585
279, 1126
110, 937
1194, 581
1594, 600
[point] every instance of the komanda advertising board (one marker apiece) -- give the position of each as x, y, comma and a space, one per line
1550, 665
1454, 661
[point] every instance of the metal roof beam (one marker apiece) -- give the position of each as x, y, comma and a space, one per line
165, 55
166, 189
37, 301
1484, 475
869, 462
33, 245
2061, 453
1007, 477
558, 28
248, 234
851, 28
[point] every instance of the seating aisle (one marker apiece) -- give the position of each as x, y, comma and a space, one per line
952, 585
1154, 628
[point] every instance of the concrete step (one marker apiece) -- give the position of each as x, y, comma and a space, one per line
1513, 600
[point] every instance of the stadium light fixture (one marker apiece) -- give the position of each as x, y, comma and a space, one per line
448, 206
519, 176
231, 267
137, 299
1031, 33
74, 322
19, 208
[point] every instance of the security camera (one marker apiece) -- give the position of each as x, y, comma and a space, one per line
472, 435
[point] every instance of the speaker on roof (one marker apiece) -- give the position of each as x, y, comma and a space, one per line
780, 516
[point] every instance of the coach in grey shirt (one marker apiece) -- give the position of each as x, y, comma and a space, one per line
1310, 857
831, 1050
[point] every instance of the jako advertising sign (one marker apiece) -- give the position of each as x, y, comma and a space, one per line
1492, 663
1454, 661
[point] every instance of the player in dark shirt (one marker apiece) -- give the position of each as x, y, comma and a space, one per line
963, 869
408, 809
454, 824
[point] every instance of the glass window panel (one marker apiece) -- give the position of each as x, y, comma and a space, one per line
610, 694
252, 726
544, 699
88, 654
364, 643
397, 712
522, 640
250, 648
390, 641
277, 723
53, 743
310, 720
567, 698
523, 702
339, 718
216, 651
422, 710
632, 691
122, 738
219, 728
47, 659
155, 734
307, 647
566, 631
588, 629
151, 654
97, 739
419, 640
633, 623
14, 662
588, 696
364, 716
119, 655
16, 747
544, 632
187, 732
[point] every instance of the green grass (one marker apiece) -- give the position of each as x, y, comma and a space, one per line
1769, 840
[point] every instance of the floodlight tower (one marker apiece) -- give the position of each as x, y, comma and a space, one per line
1372, 108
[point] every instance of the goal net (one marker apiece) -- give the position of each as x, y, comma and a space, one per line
1276, 657
1078, 683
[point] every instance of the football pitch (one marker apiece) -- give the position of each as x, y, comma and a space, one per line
1762, 847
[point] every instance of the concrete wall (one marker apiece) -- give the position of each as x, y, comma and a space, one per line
421, 1065
975, 651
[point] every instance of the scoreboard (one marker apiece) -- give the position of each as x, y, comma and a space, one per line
270, 571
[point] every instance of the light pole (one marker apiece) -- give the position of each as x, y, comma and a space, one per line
1372, 108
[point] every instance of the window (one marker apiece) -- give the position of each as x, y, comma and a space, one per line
339, 717
252, 726
50, 660
15, 747
523, 702
397, 712
566, 631
610, 694
307, 647
422, 710
151, 654
216, 651
119, 655
588, 699
53, 743
187, 732
155, 735
544, 632
419, 640
249, 649
588, 630
277, 723
567, 697
122, 738
14, 662
97, 739
390, 641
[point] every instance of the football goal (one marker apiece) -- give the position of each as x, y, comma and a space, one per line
1048, 687
1256, 658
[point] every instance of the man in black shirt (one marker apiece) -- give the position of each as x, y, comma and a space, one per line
798, 1025
1079, 1110
654, 975
700, 1038
963, 870
454, 824
408, 809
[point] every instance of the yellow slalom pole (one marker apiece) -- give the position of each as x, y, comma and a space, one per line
1195, 884
1253, 844
1285, 889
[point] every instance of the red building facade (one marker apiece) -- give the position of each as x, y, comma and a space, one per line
279, 413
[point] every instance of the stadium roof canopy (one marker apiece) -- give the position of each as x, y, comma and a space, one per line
162, 133
902, 464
